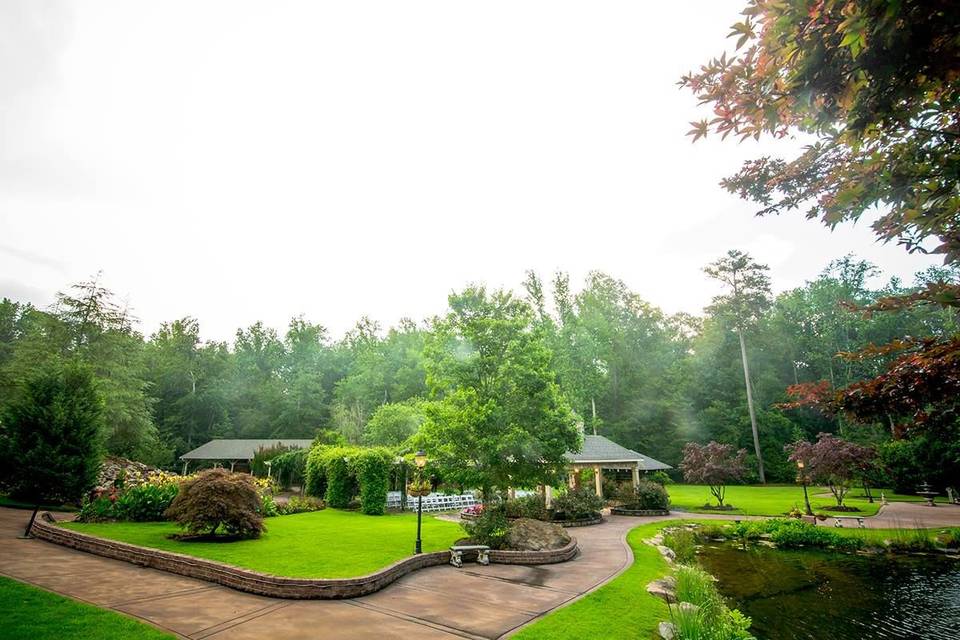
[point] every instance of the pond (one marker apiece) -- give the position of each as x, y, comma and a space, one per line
811, 595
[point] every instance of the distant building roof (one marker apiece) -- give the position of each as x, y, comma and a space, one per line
240, 449
597, 449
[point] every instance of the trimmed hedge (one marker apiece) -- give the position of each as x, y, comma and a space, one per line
316, 475
341, 485
338, 474
372, 470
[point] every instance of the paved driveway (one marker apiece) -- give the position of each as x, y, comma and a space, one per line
439, 602
435, 603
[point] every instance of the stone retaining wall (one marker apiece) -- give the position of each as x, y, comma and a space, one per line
624, 511
45, 528
550, 556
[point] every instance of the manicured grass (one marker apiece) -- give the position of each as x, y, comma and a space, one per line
621, 608
34, 614
321, 544
774, 500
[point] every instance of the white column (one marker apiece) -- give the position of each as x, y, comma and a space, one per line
636, 475
598, 480
548, 495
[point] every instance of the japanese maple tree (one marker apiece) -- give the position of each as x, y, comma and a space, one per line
832, 461
714, 465
876, 85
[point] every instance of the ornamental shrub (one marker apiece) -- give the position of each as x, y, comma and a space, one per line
660, 477
490, 528
145, 502
650, 495
372, 470
296, 504
290, 468
258, 466
219, 499
531, 506
577, 504
99, 509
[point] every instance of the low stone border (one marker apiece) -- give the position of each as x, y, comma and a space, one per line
550, 556
578, 523
45, 528
623, 511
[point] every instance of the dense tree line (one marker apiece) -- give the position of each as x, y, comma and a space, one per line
649, 380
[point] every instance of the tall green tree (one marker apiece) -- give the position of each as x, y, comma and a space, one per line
747, 297
188, 381
496, 418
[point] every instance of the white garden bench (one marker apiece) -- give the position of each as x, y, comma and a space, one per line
457, 550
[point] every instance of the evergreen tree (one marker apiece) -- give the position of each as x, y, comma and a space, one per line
50, 437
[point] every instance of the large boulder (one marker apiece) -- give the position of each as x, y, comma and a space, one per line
535, 535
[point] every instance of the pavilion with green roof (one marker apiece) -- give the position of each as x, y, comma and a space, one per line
599, 453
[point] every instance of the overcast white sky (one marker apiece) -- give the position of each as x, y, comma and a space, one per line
243, 161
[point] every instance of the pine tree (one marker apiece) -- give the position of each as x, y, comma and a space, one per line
50, 437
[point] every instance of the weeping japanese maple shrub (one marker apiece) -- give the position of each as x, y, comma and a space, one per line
219, 500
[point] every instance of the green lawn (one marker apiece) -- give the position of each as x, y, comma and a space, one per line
35, 614
773, 500
621, 608
321, 544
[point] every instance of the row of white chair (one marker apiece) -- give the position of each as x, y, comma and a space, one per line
433, 501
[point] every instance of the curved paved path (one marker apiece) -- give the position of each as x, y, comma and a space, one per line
434, 603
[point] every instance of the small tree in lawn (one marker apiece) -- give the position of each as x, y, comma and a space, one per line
49, 437
832, 461
714, 465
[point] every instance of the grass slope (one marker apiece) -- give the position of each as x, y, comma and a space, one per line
773, 500
621, 608
34, 614
321, 544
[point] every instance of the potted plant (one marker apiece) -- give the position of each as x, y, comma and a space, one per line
419, 488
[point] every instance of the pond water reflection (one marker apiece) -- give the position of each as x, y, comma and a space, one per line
809, 595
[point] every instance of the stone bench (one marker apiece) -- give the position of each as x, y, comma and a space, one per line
457, 550
838, 521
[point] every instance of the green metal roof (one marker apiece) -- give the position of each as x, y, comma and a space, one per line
602, 450
228, 449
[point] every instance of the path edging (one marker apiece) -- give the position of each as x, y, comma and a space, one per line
45, 528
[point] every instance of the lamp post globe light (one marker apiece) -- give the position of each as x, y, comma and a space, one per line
420, 459
803, 481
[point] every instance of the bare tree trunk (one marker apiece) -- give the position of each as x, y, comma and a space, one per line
593, 406
753, 415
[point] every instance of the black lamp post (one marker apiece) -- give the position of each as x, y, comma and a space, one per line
803, 481
420, 458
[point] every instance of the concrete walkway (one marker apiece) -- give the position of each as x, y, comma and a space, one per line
434, 603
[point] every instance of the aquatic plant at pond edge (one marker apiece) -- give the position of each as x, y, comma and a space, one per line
701, 613
683, 543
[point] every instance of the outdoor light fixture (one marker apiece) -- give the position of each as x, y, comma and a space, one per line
420, 459
803, 481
